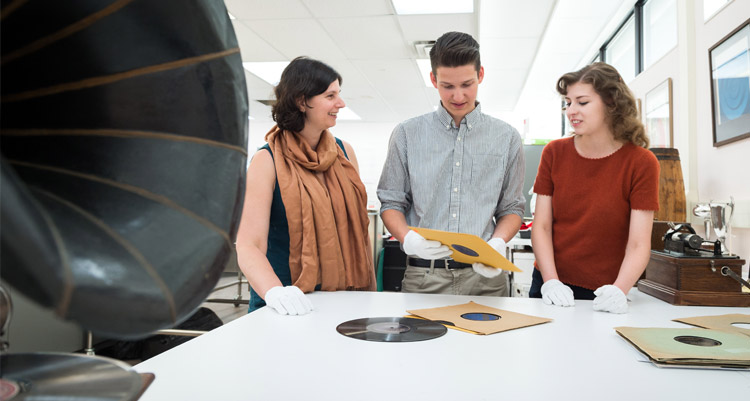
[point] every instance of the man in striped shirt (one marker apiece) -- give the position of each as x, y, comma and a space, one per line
455, 169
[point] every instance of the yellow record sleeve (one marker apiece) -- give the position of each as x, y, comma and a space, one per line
468, 248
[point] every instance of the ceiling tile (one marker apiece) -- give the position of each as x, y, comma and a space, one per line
594, 10
348, 8
297, 37
513, 19
359, 93
252, 47
430, 27
398, 83
525, 46
578, 28
355, 83
266, 9
515, 53
369, 38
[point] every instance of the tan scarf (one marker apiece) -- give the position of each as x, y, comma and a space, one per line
327, 223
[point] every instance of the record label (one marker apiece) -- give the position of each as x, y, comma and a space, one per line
698, 341
480, 316
391, 329
8, 389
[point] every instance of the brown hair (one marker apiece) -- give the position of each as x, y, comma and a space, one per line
622, 112
302, 79
455, 49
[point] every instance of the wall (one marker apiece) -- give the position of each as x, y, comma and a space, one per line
722, 171
709, 173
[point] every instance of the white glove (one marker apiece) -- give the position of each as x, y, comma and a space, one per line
554, 292
610, 298
288, 300
415, 244
481, 269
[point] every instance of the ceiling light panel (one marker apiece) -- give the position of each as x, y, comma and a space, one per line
269, 71
347, 114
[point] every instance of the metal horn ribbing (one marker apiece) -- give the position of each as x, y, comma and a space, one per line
123, 140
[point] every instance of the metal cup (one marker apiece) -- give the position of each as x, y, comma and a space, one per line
721, 217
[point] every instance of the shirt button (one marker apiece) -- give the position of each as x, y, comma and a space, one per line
459, 138
454, 215
458, 163
455, 189
469, 125
448, 126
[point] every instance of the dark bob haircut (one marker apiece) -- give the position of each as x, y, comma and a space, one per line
301, 80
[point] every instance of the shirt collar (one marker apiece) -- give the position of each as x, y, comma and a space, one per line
472, 119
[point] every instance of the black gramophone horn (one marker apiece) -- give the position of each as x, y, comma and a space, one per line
123, 140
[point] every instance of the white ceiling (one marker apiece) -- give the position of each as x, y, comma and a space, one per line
524, 45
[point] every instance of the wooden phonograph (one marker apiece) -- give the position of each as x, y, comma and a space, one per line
691, 271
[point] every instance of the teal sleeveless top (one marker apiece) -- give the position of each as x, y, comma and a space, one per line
278, 240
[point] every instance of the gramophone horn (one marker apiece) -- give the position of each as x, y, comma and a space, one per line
123, 139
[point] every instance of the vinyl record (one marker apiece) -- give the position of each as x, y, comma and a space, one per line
52, 376
697, 346
391, 329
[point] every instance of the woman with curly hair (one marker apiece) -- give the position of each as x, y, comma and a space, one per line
597, 193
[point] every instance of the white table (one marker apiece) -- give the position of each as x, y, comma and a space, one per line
265, 356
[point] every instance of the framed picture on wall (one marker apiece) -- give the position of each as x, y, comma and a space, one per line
659, 115
729, 62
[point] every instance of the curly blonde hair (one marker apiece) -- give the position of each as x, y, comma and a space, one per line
622, 112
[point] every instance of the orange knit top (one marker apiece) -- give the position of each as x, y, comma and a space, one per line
591, 204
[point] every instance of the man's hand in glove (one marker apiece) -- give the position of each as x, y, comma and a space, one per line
415, 244
497, 244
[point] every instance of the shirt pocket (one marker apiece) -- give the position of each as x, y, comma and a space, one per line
488, 171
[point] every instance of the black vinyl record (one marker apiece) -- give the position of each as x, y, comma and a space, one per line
391, 329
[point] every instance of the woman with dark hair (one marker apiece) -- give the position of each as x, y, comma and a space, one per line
597, 193
304, 223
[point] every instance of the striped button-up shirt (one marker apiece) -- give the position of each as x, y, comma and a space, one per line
458, 179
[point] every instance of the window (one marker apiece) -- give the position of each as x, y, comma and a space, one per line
620, 52
659, 29
711, 7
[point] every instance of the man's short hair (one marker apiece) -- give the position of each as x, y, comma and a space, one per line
455, 49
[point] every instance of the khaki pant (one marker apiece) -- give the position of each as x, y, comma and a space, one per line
453, 281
